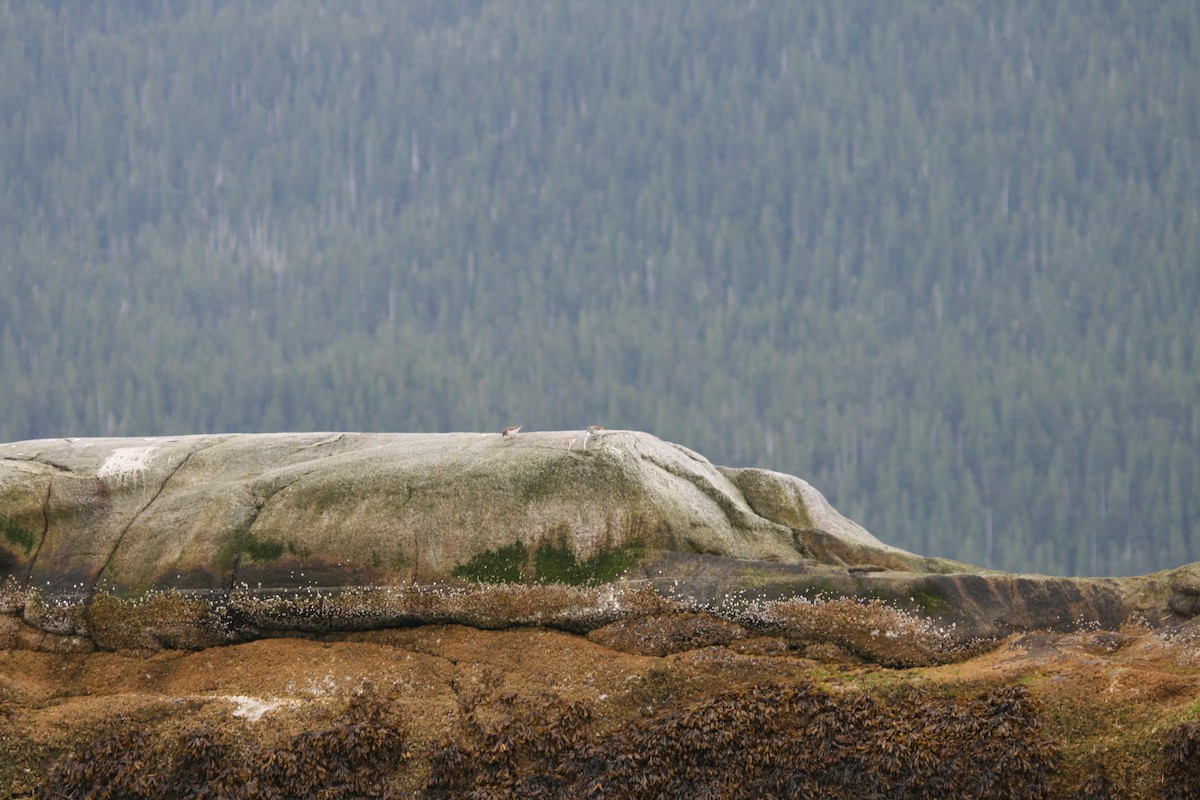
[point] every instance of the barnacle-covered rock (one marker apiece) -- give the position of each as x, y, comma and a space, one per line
666, 634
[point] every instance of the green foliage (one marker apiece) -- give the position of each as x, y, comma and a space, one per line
502, 565
300, 551
937, 260
17, 535
262, 549
259, 549
556, 563
929, 599
551, 563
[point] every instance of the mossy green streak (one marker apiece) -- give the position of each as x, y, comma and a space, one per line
17, 535
551, 563
502, 565
262, 549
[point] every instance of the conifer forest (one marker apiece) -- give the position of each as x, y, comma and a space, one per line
939, 258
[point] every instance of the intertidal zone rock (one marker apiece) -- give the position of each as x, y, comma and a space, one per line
196, 540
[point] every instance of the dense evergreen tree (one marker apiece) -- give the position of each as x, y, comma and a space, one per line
941, 259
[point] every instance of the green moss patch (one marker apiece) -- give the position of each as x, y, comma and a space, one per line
929, 600
17, 535
265, 549
297, 550
557, 564
551, 563
503, 565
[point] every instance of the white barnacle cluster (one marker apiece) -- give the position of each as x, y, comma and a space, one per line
872, 628
482, 605
609, 598
315, 608
13, 596
56, 610
856, 619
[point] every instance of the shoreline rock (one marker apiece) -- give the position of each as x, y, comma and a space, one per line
193, 541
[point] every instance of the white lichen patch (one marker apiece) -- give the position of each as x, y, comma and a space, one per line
127, 464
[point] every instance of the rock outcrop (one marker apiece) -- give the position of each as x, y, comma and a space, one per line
296, 510
233, 536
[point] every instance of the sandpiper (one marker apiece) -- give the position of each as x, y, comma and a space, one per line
511, 430
591, 431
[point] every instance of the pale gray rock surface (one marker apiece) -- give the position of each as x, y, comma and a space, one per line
286, 510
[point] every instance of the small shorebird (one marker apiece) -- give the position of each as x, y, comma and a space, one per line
591, 431
511, 430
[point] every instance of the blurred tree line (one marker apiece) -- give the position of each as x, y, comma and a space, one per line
941, 259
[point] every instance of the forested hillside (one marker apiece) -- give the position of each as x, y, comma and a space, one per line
941, 259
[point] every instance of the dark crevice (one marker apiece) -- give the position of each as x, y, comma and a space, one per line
58, 467
236, 561
728, 504
692, 454
328, 440
408, 496
45, 530
259, 505
22, 458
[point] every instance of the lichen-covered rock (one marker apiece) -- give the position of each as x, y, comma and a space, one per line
820, 530
291, 510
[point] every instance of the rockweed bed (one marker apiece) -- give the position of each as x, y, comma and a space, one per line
768, 740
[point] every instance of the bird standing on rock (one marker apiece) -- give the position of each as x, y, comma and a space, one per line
591, 431
511, 430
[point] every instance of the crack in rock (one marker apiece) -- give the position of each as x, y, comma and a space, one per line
57, 467
727, 503
45, 530
328, 440
259, 504
121, 537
